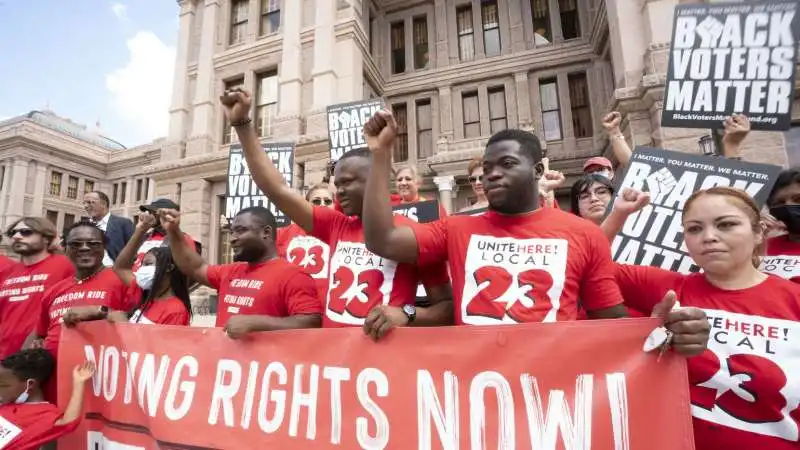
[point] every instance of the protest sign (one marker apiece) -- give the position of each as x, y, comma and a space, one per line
654, 235
732, 58
346, 125
475, 387
242, 190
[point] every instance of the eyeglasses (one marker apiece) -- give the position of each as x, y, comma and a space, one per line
473, 179
321, 201
24, 232
77, 245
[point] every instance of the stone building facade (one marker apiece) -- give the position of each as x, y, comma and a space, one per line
454, 71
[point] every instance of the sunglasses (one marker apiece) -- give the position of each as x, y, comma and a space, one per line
93, 245
24, 232
473, 179
321, 201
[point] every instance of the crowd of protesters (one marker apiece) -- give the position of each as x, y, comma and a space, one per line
347, 261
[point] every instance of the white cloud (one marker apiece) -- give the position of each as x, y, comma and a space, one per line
141, 91
120, 11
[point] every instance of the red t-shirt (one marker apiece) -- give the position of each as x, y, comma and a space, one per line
5, 264
21, 292
360, 280
165, 311
525, 268
156, 239
745, 387
783, 258
30, 425
306, 252
274, 288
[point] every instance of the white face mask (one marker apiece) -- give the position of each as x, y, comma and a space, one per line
24, 396
144, 277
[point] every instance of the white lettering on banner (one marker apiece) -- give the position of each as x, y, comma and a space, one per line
511, 280
784, 266
96, 441
8, 431
148, 380
359, 280
747, 378
243, 192
309, 253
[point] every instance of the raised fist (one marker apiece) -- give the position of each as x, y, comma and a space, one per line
736, 128
611, 122
380, 131
170, 219
236, 103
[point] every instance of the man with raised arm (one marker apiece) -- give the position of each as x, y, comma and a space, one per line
515, 263
359, 281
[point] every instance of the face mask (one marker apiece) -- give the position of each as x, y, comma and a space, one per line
789, 215
144, 277
24, 396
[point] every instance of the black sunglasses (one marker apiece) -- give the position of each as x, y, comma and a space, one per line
320, 201
77, 245
473, 179
25, 232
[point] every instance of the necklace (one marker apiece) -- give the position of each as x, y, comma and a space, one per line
88, 277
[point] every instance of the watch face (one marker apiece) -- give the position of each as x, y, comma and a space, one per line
409, 309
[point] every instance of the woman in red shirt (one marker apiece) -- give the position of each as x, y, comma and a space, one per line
27, 421
745, 388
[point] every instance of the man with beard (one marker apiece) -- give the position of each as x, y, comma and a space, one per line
118, 230
157, 236
22, 285
260, 291
94, 290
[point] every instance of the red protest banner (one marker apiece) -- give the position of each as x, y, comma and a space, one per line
576, 385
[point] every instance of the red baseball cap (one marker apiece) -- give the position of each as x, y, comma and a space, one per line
598, 161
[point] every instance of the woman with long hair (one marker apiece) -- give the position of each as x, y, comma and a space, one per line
744, 388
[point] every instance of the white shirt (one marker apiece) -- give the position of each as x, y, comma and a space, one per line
103, 224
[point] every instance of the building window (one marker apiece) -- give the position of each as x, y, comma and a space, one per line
424, 129
466, 41
239, 11
2, 175
570, 22
551, 116
146, 193
139, 186
55, 183
52, 216
491, 28
72, 187
270, 17
401, 148
228, 135
421, 54
540, 10
579, 104
69, 219
88, 186
497, 109
472, 115
122, 191
398, 32
115, 194
372, 35
267, 104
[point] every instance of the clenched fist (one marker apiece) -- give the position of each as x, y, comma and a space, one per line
381, 131
611, 123
236, 103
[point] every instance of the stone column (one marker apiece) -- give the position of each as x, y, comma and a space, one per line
440, 28
445, 184
627, 48
288, 123
555, 21
151, 189
130, 199
19, 177
37, 209
446, 113
195, 204
322, 72
516, 26
522, 86
564, 105
179, 109
205, 105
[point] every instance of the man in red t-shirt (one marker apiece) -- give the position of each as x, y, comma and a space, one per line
783, 252
260, 291
359, 280
516, 263
23, 284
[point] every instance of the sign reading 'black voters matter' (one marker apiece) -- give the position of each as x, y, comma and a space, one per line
346, 125
242, 190
733, 58
654, 235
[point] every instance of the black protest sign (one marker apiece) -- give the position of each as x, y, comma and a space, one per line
733, 58
346, 125
422, 212
242, 190
654, 235
472, 212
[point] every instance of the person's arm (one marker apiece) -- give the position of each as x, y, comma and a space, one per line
123, 265
118, 317
266, 176
626, 204
79, 377
622, 152
381, 235
78, 314
186, 258
737, 127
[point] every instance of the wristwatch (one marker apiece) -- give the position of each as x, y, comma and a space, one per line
104, 311
411, 312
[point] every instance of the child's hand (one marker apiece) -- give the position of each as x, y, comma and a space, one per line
83, 372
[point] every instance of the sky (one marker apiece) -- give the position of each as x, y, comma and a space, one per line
92, 61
